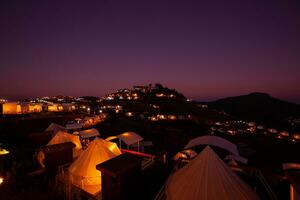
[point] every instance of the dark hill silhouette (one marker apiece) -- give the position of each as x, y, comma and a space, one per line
260, 107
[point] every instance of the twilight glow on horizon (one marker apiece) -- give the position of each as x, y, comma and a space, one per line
204, 50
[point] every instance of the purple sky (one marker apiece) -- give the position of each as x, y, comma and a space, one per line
204, 50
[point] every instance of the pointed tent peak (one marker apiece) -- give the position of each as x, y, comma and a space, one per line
208, 149
207, 177
110, 145
209, 156
55, 128
62, 137
101, 146
83, 170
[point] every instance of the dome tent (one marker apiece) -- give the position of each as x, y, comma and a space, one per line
213, 141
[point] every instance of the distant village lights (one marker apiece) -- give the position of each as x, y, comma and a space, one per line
243, 127
47, 104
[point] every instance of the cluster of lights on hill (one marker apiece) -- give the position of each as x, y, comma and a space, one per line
144, 102
240, 127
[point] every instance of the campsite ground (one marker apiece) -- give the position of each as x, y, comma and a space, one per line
263, 152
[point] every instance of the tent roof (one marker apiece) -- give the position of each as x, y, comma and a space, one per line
83, 170
111, 138
213, 141
55, 128
130, 137
62, 137
237, 158
207, 177
120, 164
89, 133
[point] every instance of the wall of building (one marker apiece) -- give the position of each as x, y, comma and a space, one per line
11, 108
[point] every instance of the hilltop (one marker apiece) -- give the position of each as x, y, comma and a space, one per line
156, 103
260, 107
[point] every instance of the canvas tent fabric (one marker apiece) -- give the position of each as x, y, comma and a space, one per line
111, 146
62, 137
207, 177
88, 133
55, 128
213, 141
130, 138
237, 158
58, 138
83, 172
111, 138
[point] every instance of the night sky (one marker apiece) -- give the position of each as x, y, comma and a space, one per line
204, 50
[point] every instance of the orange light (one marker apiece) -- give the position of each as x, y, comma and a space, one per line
296, 136
129, 114
160, 95
1, 180
3, 151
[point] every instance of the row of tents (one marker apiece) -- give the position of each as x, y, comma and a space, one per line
206, 170
205, 176
128, 138
82, 173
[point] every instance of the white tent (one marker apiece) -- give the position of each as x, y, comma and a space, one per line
207, 177
83, 172
88, 133
62, 137
130, 138
213, 141
55, 128
237, 158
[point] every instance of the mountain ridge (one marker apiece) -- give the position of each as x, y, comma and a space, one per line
257, 106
